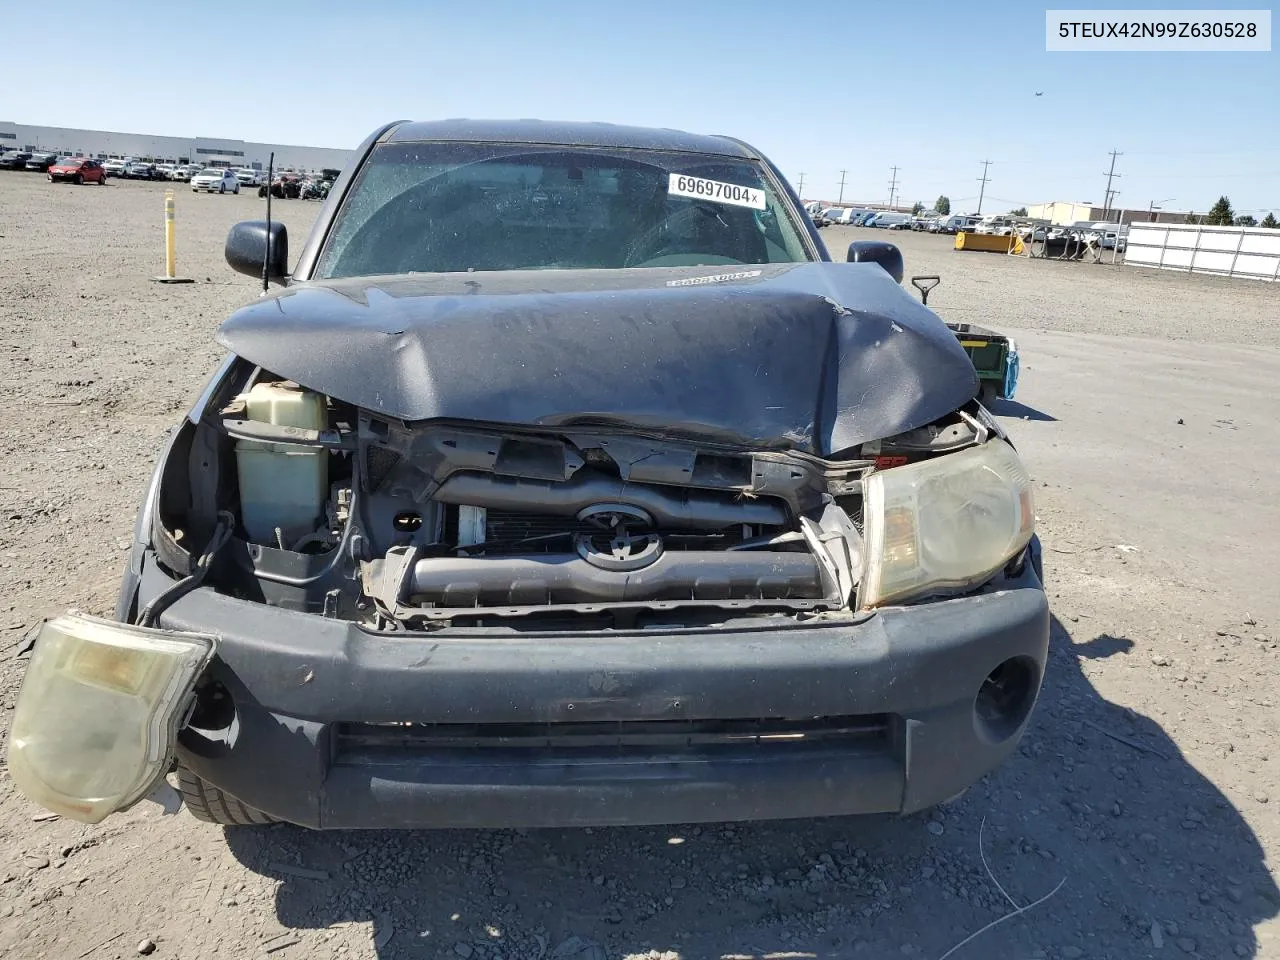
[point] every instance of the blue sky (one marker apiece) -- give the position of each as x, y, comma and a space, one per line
931, 87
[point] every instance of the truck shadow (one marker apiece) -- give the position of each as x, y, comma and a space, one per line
1012, 408
1152, 857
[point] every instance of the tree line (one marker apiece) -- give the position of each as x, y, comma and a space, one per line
1221, 215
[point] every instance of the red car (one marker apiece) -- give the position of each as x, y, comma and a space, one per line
78, 170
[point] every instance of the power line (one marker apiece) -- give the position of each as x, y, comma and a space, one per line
893, 184
982, 192
1111, 174
842, 173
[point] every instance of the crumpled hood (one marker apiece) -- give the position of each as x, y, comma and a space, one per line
818, 357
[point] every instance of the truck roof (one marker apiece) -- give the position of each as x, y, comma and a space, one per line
569, 134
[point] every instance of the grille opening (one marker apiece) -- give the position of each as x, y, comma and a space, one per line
632, 617
520, 532
868, 731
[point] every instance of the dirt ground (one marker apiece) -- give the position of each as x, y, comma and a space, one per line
1143, 801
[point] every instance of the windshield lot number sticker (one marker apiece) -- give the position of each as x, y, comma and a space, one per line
714, 190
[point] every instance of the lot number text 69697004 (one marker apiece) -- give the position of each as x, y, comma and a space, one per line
716, 191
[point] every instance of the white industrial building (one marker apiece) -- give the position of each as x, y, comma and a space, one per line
211, 151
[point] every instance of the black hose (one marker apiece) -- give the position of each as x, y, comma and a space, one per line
217, 540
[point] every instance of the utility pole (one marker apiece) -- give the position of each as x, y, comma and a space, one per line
842, 173
1111, 174
982, 191
800, 187
893, 185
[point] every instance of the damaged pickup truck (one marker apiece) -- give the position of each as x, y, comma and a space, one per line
566, 481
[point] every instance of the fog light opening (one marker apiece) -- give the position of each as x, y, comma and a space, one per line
213, 708
1004, 699
213, 726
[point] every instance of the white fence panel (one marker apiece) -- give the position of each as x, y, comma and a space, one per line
1250, 252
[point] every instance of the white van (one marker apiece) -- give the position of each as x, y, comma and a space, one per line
888, 219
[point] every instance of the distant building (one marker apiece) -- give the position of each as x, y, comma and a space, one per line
211, 151
1064, 213
895, 208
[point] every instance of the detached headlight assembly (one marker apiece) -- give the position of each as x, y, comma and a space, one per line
944, 525
99, 711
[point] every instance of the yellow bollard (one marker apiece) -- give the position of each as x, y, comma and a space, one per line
170, 266
170, 250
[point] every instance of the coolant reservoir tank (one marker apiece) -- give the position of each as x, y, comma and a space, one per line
281, 485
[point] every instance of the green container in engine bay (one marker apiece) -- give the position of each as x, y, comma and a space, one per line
993, 355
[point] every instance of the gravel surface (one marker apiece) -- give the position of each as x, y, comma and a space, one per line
1143, 799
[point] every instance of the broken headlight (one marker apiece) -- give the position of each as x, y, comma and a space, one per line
945, 524
99, 711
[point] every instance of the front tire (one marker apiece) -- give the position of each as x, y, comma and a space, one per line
236, 191
78, 179
222, 188
206, 802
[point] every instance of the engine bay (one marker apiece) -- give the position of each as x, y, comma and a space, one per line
344, 513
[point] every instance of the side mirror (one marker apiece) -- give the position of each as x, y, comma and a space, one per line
251, 242
877, 251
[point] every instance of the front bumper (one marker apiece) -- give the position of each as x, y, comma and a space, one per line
307, 691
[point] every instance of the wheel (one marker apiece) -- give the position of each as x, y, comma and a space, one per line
77, 179
50, 176
206, 802
236, 190
222, 188
988, 393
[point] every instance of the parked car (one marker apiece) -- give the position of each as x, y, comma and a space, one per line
843, 217
77, 170
41, 162
248, 176
995, 226
419, 557
1107, 235
958, 223
215, 180
140, 170
14, 160
114, 168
